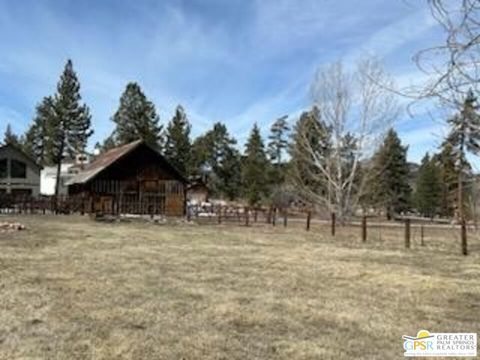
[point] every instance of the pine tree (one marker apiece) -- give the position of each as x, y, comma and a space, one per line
278, 140
68, 129
228, 173
428, 192
136, 118
464, 137
177, 145
277, 146
312, 130
255, 167
37, 143
445, 161
215, 158
388, 183
10, 138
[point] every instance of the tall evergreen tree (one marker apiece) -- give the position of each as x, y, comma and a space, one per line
177, 145
388, 185
311, 130
464, 137
428, 192
136, 118
215, 158
278, 140
68, 129
10, 138
445, 161
277, 146
228, 173
37, 143
255, 167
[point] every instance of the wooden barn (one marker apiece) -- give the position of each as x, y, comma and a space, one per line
131, 179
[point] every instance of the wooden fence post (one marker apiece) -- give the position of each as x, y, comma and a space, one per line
274, 216
285, 218
364, 228
407, 233
309, 215
333, 223
422, 243
246, 216
219, 214
464, 237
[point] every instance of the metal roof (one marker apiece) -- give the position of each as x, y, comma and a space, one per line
108, 158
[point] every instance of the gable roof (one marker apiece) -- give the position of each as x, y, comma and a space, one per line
23, 154
108, 158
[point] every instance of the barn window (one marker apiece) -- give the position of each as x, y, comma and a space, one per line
3, 169
18, 169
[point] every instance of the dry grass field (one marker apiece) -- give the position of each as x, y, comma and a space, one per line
71, 288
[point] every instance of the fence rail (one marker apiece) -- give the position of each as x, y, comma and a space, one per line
365, 229
41, 205
368, 228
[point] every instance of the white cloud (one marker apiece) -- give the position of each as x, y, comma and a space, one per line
393, 36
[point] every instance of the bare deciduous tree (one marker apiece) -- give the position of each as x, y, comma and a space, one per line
451, 68
354, 112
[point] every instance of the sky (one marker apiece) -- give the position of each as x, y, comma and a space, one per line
235, 61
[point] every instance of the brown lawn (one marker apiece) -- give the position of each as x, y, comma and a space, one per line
71, 288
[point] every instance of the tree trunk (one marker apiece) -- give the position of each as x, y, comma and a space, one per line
59, 168
460, 196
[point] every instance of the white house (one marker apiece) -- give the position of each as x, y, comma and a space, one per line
68, 169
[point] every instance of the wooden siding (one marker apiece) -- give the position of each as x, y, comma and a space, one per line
139, 183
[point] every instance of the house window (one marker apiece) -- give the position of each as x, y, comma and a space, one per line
3, 169
18, 169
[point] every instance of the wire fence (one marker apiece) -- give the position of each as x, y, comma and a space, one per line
408, 233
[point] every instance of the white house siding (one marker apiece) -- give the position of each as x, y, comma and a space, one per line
48, 179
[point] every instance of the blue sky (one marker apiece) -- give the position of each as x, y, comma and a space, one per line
236, 61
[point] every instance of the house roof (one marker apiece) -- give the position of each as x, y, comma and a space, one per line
21, 152
110, 157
